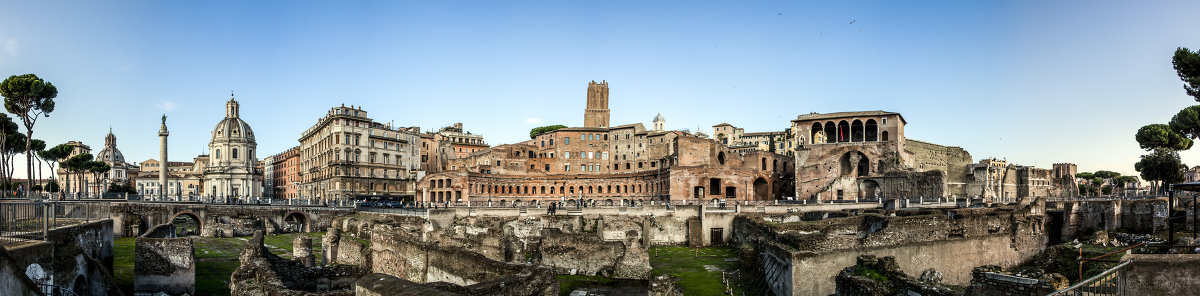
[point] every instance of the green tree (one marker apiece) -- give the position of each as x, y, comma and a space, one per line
52, 186
11, 143
29, 98
1187, 122
1187, 65
1154, 136
1161, 166
97, 168
537, 131
1084, 175
53, 156
76, 165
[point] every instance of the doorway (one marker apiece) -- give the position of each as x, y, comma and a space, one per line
717, 235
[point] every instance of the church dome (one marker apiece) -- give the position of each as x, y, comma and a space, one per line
110, 153
232, 128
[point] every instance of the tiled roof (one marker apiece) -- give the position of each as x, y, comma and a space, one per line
819, 116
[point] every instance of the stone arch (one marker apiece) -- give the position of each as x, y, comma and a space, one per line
856, 131
80, 286
843, 131
854, 163
870, 189
299, 219
187, 215
761, 189
721, 157
816, 128
872, 131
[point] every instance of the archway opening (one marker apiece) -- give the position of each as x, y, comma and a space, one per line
186, 224
760, 189
870, 189
721, 158
856, 131
843, 132
872, 130
80, 287
295, 222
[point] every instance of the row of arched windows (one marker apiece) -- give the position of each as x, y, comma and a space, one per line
568, 190
843, 131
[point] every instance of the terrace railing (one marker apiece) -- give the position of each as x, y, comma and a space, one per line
1109, 282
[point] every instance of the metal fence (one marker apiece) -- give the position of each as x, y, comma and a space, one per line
1109, 282
21, 222
25, 221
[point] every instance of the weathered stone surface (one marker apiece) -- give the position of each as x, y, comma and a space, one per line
263, 273
164, 263
302, 250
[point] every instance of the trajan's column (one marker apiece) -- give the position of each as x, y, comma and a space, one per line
162, 156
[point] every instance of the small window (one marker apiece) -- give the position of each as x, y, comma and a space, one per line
567, 141
884, 120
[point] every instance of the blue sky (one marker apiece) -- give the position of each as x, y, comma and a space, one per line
1036, 82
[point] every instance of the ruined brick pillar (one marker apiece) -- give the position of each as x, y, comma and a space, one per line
302, 250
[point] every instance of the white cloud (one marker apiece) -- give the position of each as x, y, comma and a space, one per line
533, 120
166, 106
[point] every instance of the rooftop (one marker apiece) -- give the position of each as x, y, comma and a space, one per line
819, 116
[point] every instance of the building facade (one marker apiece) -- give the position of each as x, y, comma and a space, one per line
232, 169
347, 155
865, 155
598, 164
285, 173
740, 141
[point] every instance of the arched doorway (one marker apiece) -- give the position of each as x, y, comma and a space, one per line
870, 189
186, 224
80, 287
761, 190
295, 222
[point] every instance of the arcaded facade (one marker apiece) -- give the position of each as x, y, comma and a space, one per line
608, 165
347, 155
865, 155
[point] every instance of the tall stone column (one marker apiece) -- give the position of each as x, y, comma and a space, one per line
162, 155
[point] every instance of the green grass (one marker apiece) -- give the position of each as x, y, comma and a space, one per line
873, 274
216, 259
568, 283
123, 263
683, 263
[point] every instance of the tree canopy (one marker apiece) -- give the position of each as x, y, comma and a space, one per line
1106, 174
1084, 175
1161, 165
537, 131
1187, 65
1187, 122
1160, 136
28, 97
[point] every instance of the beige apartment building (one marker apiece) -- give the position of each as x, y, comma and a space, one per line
347, 155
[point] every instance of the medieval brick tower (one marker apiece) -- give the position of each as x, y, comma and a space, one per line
596, 114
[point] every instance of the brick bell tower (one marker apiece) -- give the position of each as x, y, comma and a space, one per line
596, 114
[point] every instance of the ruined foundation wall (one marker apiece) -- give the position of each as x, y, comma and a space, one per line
951, 160
1163, 274
72, 252
164, 263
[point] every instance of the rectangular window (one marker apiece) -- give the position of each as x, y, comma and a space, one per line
604, 155
551, 141
567, 141
567, 154
547, 167
884, 121
591, 155
567, 168
582, 137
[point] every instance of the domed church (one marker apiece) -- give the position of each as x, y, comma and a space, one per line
231, 169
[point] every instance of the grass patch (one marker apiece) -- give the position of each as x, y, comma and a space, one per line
123, 263
212, 275
684, 263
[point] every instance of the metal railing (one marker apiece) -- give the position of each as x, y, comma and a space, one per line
21, 222
26, 221
1109, 282
397, 211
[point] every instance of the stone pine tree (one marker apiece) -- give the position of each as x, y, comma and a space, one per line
1162, 136
97, 168
11, 142
537, 131
1163, 166
53, 156
36, 148
29, 98
1187, 65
